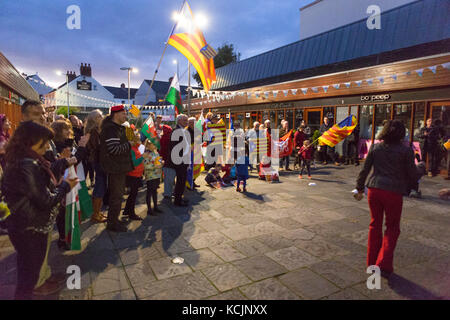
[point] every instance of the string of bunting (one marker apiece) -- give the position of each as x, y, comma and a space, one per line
219, 96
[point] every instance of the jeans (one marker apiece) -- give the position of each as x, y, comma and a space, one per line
180, 185
285, 160
169, 181
134, 183
100, 182
380, 250
31, 248
152, 193
116, 190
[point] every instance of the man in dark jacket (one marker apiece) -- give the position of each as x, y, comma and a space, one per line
179, 157
350, 147
429, 146
116, 161
327, 150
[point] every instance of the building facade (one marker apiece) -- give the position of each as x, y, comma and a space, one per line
399, 72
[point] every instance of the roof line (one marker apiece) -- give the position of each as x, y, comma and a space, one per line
310, 5
354, 70
319, 34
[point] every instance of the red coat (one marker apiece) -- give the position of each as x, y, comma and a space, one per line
306, 153
299, 137
164, 143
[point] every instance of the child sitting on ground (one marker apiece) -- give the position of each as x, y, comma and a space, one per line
213, 178
305, 154
134, 178
266, 172
153, 164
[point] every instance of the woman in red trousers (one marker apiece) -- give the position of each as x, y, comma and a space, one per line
393, 172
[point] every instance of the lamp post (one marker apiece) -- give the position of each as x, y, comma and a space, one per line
129, 69
59, 73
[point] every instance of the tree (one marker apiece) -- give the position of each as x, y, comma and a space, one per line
63, 110
225, 55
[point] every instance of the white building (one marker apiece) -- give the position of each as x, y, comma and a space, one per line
324, 15
85, 93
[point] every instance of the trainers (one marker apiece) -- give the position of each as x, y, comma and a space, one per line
135, 217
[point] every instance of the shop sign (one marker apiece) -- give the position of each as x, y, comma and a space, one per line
84, 85
374, 98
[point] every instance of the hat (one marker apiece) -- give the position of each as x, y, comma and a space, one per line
117, 108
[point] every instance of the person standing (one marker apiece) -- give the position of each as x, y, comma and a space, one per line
93, 123
285, 130
252, 138
115, 159
152, 175
176, 161
306, 130
5, 125
33, 195
327, 151
134, 179
394, 172
350, 147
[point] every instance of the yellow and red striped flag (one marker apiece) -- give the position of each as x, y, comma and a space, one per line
339, 132
189, 40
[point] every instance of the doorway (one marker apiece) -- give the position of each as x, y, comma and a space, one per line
313, 118
441, 111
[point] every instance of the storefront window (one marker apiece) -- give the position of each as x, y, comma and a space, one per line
365, 121
354, 111
240, 118
290, 118
329, 113
298, 117
402, 112
341, 114
419, 119
280, 117
382, 113
265, 116
272, 118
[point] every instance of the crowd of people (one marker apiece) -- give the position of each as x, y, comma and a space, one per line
116, 156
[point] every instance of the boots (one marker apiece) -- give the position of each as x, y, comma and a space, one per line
97, 216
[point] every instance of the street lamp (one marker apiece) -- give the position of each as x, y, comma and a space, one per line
129, 69
59, 73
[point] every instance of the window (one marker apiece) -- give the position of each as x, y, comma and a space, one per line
365, 121
329, 113
298, 117
290, 118
382, 113
280, 116
402, 112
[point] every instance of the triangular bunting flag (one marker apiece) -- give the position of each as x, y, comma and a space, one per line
266, 93
337, 85
304, 90
359, 83
433, 69
446, 65
314, 89
294, 91
275, 93
369, 81
381, 80
420, 72
325, 88
347, 84
285, 92
407, 73
394, 76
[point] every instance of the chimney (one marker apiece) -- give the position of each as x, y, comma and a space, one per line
123, 86
85, 70
72, 75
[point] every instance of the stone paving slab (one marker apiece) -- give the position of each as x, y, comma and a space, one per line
278, 241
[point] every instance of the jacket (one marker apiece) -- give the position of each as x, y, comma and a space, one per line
115, 150
429, 142
393, 168
306, 153
324, 127
164, 143
299, 138
81, 153
138, 162
93, 147
184, 154
151, 170
34, 201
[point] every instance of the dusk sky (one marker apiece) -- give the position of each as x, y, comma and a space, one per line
115, 34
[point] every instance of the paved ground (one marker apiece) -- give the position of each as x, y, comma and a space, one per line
279, 241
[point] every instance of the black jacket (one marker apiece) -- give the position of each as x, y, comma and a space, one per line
393, 168
81, 153
323, 128
30, 195
429, 142
179, 142
58, 166
115, 150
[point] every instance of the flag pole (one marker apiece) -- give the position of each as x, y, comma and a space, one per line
164, 51
189, 89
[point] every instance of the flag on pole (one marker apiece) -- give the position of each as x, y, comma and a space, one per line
188, 39
149, 130
73, 214
83, 194
339, 132
231, 126
174, 95
284, 145
135, 111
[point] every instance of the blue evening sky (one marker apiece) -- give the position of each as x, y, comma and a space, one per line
120, 33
